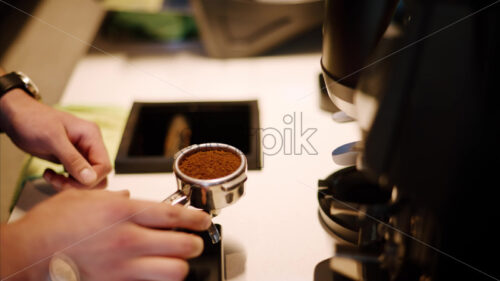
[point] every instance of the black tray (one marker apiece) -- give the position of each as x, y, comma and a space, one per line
142, 146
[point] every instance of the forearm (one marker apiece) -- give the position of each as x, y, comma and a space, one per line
17, 260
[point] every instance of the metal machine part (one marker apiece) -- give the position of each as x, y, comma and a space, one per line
346, 154
213, 194
423, 102
351, 31
237, 28
352, 206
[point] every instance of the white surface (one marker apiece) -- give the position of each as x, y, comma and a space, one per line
273, 232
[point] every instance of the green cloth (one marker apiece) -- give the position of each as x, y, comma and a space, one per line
162, 26
111, 121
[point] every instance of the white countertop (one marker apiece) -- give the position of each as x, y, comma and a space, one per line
273, 232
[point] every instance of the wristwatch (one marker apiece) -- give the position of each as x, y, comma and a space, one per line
19, 80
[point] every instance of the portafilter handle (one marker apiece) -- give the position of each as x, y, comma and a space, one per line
183, 198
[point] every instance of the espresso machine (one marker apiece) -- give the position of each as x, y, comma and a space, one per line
417, 202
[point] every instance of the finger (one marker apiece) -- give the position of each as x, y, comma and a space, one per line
61, 182
53, 179
124, 193
101, 170
72, 182
102, 184
156, 268
162, 215
50, 158
90, 144
74, 162
169, 244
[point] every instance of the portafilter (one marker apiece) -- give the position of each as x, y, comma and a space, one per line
210, 195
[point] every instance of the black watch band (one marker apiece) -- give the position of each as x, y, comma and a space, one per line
15, 80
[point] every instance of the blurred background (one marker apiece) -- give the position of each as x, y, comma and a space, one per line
46, 38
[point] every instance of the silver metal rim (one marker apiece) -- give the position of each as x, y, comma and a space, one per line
206, 183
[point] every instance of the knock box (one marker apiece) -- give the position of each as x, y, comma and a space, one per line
156, 131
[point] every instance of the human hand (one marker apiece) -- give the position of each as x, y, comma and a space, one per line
107, 236
58, 137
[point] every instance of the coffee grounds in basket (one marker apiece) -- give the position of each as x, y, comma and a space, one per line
210, 164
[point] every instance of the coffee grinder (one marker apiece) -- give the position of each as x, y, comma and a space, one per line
418, 77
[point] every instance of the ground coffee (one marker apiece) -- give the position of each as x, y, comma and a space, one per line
210, 164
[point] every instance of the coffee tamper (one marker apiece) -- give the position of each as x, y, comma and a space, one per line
210, 195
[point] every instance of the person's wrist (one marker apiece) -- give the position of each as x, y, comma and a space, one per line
20, 258
10, 103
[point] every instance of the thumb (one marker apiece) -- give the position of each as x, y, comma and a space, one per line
76, 165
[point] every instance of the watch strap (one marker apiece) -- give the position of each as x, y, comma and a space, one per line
13, 81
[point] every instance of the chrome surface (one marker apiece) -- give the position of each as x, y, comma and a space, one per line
342, 96
30, 85
214, 194
209, 195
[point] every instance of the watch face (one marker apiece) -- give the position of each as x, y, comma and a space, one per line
30, 86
